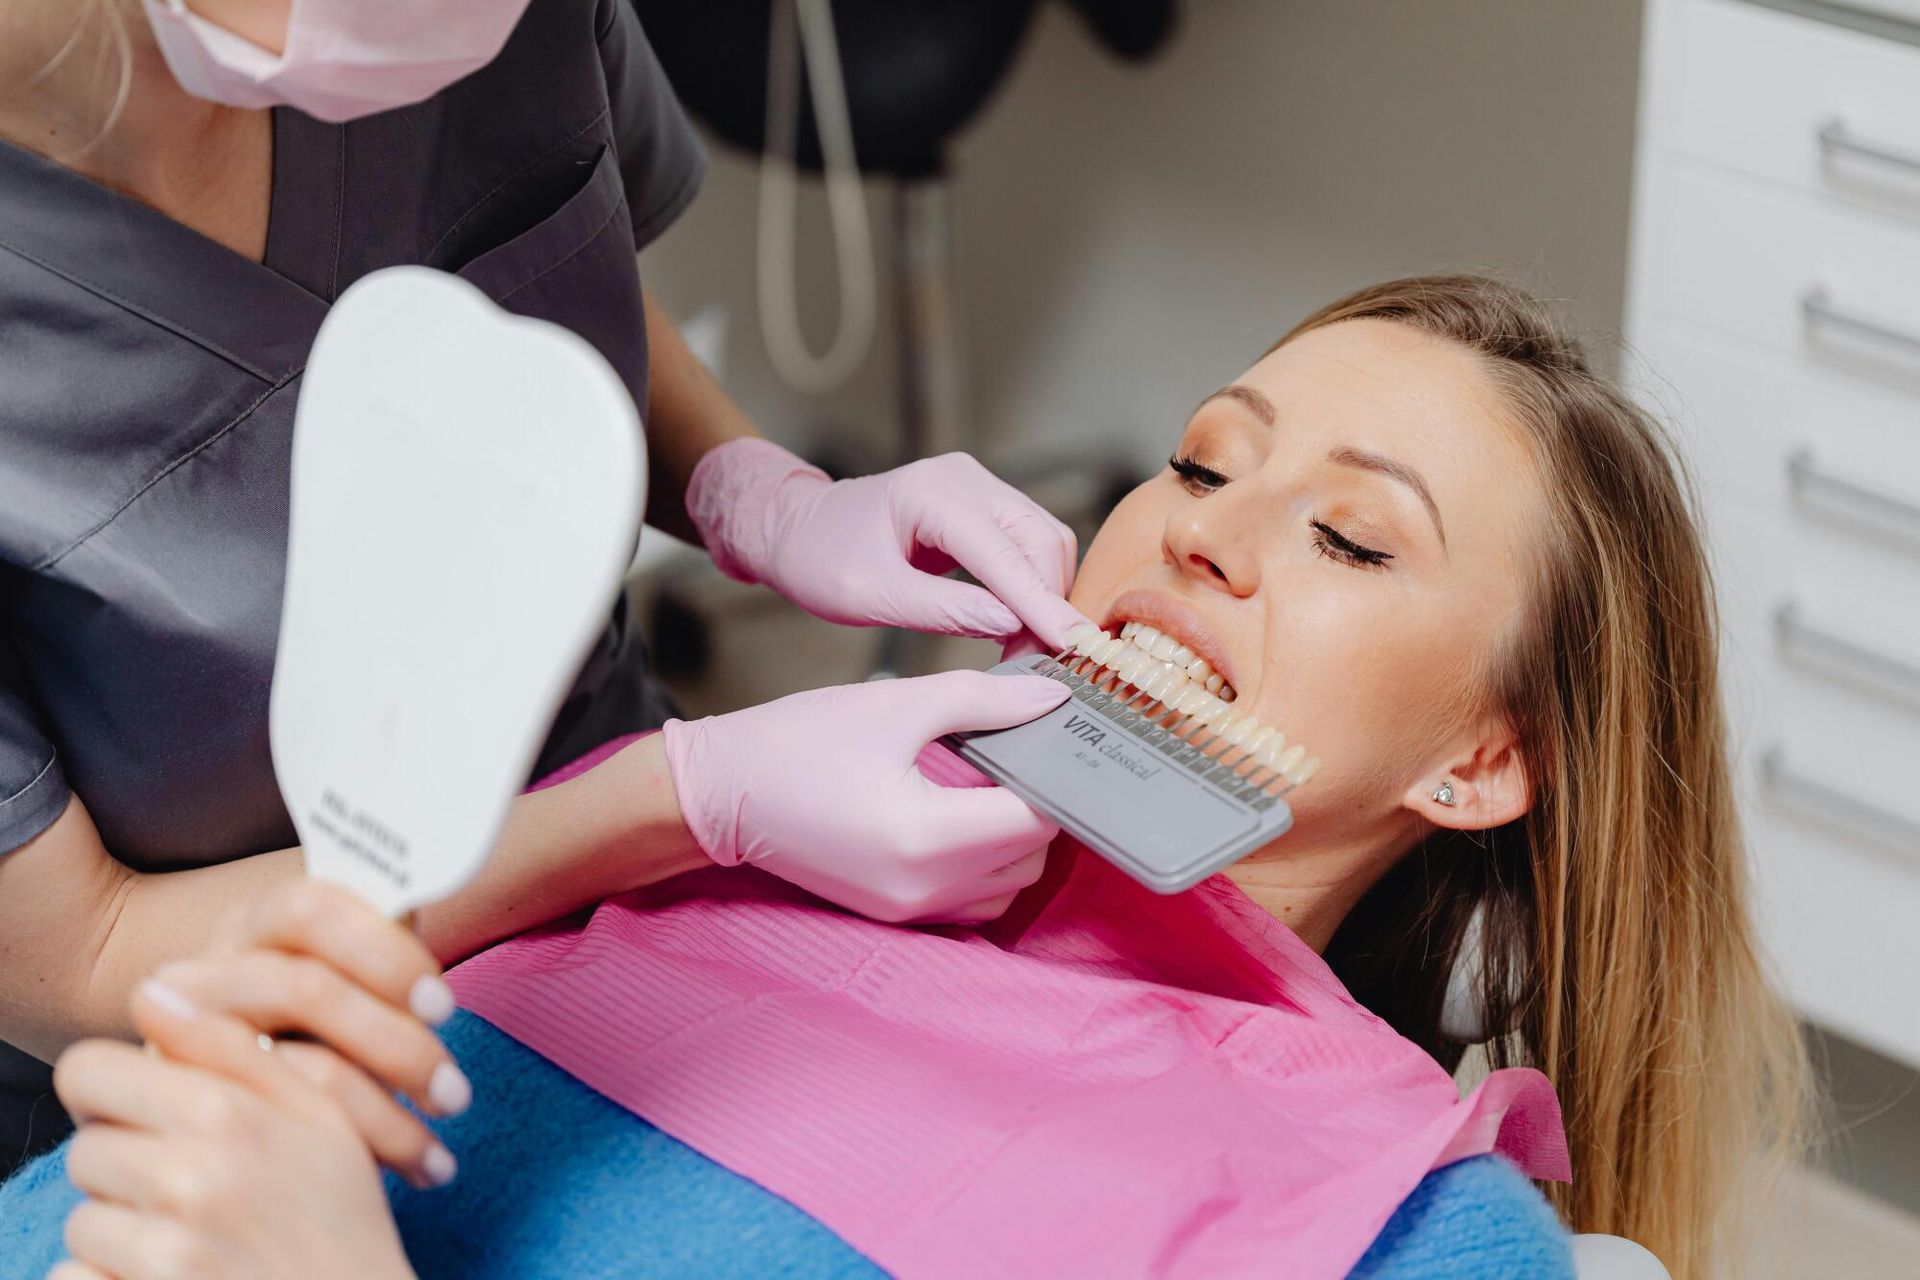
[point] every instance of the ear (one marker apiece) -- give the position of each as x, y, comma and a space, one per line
1490, 784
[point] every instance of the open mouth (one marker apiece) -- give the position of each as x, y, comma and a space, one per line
1174, 654
1171, 684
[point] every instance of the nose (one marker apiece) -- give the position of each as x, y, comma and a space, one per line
1211, 544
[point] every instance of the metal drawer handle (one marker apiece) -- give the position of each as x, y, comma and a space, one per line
1836, 139
1808, 483
1832, 806
1816, 305
1881, 671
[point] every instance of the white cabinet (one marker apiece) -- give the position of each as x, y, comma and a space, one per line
1774, 318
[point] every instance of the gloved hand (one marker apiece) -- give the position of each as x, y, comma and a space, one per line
820, 788
871, 551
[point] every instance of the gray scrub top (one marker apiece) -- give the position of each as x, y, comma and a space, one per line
147, 386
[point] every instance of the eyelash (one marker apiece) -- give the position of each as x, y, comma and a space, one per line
1337, 546
1328, 541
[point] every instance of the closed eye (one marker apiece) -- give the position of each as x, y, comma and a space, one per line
1330, 542
1197, 478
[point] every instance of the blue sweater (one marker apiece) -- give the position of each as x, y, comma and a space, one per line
555, 1180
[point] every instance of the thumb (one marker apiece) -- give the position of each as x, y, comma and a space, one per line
955, 701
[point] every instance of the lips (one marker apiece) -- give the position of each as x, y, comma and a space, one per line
1169, 627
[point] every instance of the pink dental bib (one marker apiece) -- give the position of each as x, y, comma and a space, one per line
1108, 1083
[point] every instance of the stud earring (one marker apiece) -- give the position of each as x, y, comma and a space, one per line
1443, 794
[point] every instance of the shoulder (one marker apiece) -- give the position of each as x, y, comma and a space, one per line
1472, 1219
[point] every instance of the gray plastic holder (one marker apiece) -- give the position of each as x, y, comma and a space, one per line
1126, 787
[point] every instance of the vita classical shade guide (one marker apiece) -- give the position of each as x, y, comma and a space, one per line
1146, 762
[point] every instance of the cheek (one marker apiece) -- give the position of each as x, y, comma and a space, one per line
1368, 680
1128, 541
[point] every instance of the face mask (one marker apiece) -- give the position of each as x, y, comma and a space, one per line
343, 59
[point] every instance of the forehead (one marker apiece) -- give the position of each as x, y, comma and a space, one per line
1417, 397
1386, 377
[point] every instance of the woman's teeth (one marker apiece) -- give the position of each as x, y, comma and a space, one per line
1175, 657
1167, 672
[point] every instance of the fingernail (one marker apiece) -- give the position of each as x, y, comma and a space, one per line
168, 998
431, 1000
448, 1091
438, 1165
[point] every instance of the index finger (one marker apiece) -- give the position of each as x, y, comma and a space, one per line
982, 545
334, 926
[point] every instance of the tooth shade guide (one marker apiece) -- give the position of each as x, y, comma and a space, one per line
1157, 680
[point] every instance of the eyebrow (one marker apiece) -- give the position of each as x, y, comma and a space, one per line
1261, 406
1346, 455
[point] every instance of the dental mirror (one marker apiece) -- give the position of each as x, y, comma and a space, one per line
467, 488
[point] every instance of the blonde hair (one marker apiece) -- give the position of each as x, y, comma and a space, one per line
99, 26
1620, 955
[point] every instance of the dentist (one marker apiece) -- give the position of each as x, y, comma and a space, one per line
185, 187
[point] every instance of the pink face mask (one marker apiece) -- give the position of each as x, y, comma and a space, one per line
343, 58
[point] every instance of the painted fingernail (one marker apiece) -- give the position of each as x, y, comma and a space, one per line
431, 1000
448, 1091
438, 1165
168, 998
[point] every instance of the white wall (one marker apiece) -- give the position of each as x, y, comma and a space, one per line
1130, 237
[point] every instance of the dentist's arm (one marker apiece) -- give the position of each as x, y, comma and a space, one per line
78, 929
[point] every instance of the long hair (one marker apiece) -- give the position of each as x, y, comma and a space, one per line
1619, 951
100, 37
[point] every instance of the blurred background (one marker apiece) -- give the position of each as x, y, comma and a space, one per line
1080, 218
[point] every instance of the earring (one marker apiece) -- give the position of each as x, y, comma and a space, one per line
1443, 794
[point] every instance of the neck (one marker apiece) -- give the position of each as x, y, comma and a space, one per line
1310, 888
85, 85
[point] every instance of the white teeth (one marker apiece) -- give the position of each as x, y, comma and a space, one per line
1210, 710
1157, 683
1171, 674
1189, 698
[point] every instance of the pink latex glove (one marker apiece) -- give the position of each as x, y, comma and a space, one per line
820, 788
871, 551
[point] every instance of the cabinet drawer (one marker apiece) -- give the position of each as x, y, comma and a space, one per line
1791, 100
1837, 924
1743, 417
1820, 609
1830, 290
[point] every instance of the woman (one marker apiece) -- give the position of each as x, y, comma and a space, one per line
165, 262
1421, 535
